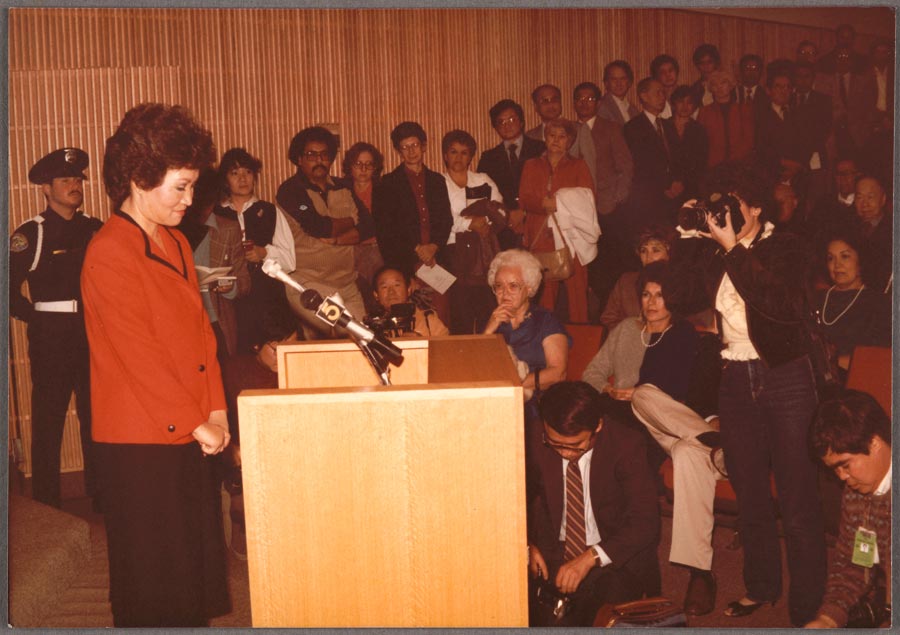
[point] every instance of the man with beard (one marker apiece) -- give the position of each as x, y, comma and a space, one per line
326, 222
48, 252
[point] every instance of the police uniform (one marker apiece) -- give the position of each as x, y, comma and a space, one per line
48, 252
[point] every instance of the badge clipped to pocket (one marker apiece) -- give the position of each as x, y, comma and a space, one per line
865, 549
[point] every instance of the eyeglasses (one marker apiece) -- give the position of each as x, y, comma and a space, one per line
512, 287
415, 145
311, 155
506, 121
586, 98
563, 447
364, 166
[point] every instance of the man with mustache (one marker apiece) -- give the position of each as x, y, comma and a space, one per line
48, 252
326, 222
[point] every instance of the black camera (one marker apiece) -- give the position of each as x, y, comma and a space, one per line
400, 320
716, 204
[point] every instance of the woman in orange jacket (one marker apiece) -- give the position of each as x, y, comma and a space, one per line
157, 399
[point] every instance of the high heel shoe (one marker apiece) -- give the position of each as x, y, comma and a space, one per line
736, 609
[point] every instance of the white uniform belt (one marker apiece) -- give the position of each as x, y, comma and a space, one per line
58, 306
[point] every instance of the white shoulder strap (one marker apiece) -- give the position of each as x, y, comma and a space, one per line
39, 220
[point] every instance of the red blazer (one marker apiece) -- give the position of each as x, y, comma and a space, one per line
154, 374
533, 187
740, 132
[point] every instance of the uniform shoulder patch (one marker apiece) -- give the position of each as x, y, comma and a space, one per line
18, 243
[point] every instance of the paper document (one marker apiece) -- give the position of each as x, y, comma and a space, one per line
205, 275
436, 277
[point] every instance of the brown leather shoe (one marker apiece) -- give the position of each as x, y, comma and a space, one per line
701, 595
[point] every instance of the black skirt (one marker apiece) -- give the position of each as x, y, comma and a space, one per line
164, 531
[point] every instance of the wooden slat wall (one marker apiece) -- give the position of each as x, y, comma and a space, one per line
256, 77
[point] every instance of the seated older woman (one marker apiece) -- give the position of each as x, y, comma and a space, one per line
541, 178
654, 244
850, 313
534, 334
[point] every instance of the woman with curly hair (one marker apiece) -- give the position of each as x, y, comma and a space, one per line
158, 402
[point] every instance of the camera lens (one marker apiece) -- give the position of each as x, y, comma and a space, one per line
692, 217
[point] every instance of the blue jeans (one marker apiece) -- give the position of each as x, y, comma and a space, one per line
765, 416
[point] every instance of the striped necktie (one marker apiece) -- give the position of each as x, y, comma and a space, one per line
575, 528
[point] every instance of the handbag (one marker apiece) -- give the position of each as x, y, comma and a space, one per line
657, 612
555, 265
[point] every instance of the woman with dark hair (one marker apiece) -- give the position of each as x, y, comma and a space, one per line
476, 205
363, 165
756, 280
542, 178
158, 403
265, 234
691, 145
654, 243
850, 313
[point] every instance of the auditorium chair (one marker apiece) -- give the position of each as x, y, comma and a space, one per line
586, 341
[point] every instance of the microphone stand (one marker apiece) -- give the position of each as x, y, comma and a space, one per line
376, 348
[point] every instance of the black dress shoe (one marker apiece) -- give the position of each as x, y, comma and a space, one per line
736, 609
701, 595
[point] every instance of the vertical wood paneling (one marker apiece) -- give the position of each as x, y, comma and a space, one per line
255, 77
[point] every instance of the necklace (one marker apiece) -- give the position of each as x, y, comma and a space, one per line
647, 344
846, 308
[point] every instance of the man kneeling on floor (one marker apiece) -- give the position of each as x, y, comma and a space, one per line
593, 516
852, 435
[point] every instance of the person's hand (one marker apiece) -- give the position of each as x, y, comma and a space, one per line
480, 226
426, 253
822, 621
516, 218
549, 204
500, 315
221, 286
536, 565
574, 571
253, 252
725, 236
212, 436
622, 394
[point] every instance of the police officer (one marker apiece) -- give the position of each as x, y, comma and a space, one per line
48, 252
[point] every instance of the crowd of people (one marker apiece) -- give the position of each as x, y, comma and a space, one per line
708, 354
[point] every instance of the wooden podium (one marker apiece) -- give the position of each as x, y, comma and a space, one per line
387, 506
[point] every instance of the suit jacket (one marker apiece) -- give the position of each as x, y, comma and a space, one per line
615, 167
653, 170
623, 498
813, 120
154, 373
857, 114
778, 138
495, 163
397, 218
225, 250
607, 109
739, 128
582, 147
689, 154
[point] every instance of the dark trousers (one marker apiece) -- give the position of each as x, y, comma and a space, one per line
765, 415
163, 521
471, 307
602, 585
615, 255
60, 364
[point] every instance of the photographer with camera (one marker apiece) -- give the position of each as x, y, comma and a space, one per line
401, 316
756, 281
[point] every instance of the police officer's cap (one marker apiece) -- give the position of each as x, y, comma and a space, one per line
59, 163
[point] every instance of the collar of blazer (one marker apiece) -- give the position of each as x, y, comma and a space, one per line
149, 253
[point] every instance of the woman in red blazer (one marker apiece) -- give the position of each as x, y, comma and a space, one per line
156, 389
541, 178
728, 124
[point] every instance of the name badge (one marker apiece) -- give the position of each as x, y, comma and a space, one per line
865, 548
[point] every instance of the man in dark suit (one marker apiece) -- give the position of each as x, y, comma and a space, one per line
593, 526
749, 90
412, 211
777, 133
813, 120
656, 189
844, 36
503, 163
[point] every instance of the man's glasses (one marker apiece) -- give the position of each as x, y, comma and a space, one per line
415, 145
577, 450
364, 166
311, 155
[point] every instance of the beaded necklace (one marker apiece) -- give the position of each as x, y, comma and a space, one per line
846, 308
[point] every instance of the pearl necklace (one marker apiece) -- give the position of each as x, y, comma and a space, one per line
647, 344
841, 314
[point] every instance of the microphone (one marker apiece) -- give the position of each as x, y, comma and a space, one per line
331, 310
272, 269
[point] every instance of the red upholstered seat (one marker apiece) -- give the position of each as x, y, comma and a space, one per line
870, 371
586, 341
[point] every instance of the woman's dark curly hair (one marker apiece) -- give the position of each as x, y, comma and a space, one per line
352, 156
151, 140
660, 273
